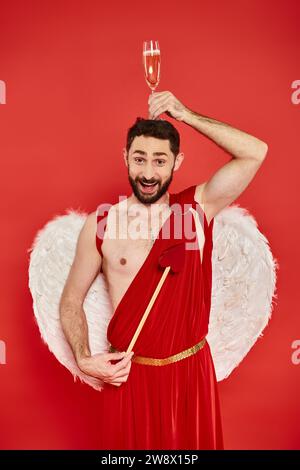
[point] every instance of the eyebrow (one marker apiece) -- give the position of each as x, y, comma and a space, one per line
156, 154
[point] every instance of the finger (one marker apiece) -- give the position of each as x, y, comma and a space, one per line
114, 368
118, 381
157, 101
114, 356
159, 108
122, 373
158, 94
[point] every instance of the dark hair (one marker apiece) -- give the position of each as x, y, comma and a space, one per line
160, 129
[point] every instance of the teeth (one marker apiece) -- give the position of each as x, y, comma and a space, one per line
148, 184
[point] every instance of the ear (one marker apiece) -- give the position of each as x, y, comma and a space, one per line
179, 159
125, 155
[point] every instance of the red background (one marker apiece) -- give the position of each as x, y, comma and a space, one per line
75, 84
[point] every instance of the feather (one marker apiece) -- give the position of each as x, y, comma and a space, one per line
244, 275
51, 256
243, 286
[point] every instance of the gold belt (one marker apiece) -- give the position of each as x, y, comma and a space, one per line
151, 361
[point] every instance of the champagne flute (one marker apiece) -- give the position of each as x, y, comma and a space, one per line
151, 60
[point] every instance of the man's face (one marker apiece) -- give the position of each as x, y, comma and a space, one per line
150, 165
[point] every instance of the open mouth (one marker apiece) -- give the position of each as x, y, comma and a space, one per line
148, 188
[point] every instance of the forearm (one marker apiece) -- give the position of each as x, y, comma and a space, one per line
75, 328
238, 143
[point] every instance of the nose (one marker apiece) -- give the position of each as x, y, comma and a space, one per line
148, 172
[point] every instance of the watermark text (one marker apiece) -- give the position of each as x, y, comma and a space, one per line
295, 98
2, 352
2, 92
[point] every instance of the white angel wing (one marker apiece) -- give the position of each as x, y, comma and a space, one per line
52, 254
243, 288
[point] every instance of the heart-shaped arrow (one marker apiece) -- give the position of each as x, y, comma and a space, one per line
173, 256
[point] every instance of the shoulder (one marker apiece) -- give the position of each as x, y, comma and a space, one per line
89, 226
199, 193
207, 208
185, 196
103, 208
86, 239
194, 194
191, 194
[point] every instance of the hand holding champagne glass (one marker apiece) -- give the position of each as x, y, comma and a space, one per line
164, 101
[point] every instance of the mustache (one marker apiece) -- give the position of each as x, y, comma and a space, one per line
148, 181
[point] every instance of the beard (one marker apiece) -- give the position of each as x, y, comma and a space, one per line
144, 198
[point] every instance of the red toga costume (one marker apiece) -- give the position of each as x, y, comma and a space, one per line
171, 404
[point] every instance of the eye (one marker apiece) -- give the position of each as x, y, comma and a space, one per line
161, 162
138, 160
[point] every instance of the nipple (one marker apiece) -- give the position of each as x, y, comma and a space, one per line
123, 261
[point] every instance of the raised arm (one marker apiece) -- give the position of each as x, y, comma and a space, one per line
85, 267
247, 152
229, 181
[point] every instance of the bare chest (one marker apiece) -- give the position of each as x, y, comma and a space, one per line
126, 245
124, 257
